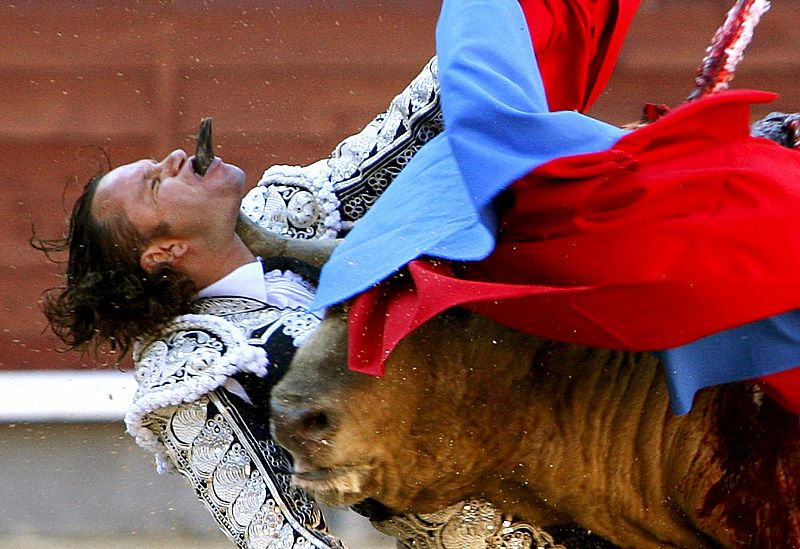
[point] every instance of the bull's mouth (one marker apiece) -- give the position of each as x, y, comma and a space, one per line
343, 485
204, 153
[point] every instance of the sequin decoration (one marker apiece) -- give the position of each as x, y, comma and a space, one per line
474, 524
242, 482
182, 413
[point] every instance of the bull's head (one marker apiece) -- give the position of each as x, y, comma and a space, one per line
415, 439
307, 410
469, 409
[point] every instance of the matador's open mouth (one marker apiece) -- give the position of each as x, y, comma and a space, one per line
204, 153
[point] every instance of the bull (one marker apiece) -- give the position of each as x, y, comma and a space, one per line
552, 433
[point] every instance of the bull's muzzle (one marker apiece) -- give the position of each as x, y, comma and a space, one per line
299, 426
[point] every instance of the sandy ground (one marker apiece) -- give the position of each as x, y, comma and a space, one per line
355, 532
109, 542
88, 486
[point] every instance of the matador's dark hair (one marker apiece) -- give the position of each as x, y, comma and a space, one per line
108, 300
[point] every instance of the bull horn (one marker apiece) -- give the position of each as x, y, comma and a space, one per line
204, 153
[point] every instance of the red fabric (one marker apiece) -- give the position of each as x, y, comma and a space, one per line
784, 387
645, 246
686, 215
577, 44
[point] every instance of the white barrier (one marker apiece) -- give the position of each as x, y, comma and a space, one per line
65, 395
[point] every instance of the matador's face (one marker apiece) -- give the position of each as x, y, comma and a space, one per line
168, 198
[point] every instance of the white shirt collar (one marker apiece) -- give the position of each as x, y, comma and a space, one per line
246, 281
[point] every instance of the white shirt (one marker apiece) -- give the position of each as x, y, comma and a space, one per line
245, 281
283, 289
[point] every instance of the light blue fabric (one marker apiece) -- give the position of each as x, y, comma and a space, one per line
753, 350
497, 129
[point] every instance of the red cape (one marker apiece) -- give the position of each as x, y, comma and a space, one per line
645, 246
584, 35
594, 251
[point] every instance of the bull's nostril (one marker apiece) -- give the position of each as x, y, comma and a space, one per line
298, 423
315, 422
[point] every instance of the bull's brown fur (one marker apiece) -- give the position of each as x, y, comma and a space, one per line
551, 432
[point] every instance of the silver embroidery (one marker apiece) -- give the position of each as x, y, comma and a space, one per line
299, 326
289, 208
180, 355
472, 524
268, 530
230, 476
250, 500
227, 306
209, 448
243, 482
181, 412
198, 353
188, 422
260, 324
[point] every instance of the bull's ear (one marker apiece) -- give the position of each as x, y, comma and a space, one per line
163, 252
